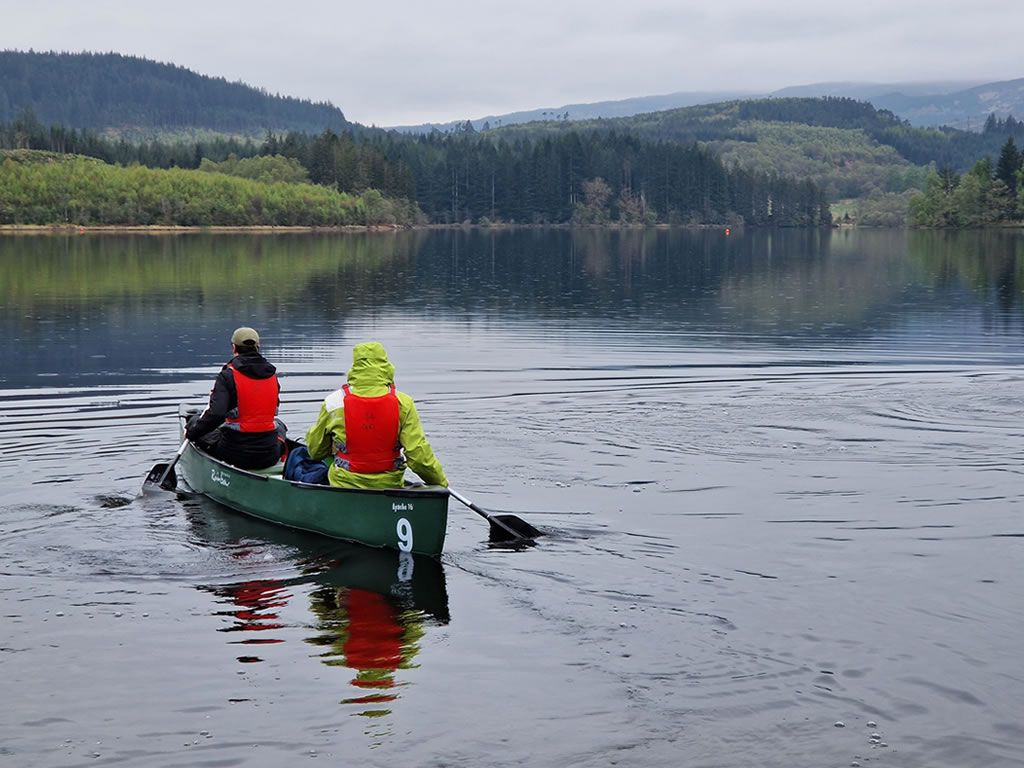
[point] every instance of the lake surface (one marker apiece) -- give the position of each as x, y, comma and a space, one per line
780, 472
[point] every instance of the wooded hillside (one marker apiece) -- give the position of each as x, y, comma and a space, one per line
141, 98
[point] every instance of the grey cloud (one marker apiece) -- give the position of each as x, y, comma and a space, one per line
406, 61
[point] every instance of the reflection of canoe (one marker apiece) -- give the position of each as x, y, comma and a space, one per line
410, 519
370, 607
410, 580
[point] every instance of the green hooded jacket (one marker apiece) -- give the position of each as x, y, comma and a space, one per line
371, 376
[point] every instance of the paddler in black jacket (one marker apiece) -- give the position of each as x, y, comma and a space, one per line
239, 425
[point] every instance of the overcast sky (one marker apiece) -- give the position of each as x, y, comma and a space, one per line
399, 62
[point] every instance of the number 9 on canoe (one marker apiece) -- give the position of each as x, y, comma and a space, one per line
404, 531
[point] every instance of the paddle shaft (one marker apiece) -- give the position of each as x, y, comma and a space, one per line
484, 514
181, 450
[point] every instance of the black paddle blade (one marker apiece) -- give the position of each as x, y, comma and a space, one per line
522, 528
156, 476
170, 482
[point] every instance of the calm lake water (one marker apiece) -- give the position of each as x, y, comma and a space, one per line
781, 474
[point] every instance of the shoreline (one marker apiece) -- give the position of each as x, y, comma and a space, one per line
257, 229
266, 229
172, 229
261, 229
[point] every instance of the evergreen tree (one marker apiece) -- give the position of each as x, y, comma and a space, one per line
949, 179
1007, 166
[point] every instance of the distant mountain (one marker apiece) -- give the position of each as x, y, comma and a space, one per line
871, 91
963, 105
139, 98
959, 104
966, 109
600, 109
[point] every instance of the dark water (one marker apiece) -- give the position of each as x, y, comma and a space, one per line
781, 471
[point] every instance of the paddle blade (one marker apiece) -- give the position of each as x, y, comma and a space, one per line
170, 482
156, 477
522, 529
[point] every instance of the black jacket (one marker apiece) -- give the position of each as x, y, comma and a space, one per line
224, 399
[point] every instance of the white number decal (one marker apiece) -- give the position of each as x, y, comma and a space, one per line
404, 530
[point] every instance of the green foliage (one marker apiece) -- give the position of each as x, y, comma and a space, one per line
76, 190
883, 209
593, 209
267, 169
349, 162
978, 198
847, 163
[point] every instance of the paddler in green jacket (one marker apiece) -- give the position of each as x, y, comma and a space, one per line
371, 429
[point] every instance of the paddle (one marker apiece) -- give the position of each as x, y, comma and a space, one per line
163, 475
503, 527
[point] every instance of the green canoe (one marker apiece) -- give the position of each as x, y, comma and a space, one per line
411, 519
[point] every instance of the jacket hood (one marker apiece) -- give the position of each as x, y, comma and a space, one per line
371, 372
253, 365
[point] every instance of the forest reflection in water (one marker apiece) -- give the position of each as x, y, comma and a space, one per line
88, 305
547, 267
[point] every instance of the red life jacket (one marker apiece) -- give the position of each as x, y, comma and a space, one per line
371, 434
257, 403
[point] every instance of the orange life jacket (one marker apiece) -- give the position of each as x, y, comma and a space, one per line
371, 434
257, 403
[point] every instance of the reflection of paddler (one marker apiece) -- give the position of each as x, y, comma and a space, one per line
376, 642
254, 599
370, 635
374, 634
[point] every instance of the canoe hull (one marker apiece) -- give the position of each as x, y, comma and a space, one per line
412, 519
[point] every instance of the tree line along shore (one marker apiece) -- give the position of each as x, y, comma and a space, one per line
41, 188
57, 175
541, 176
